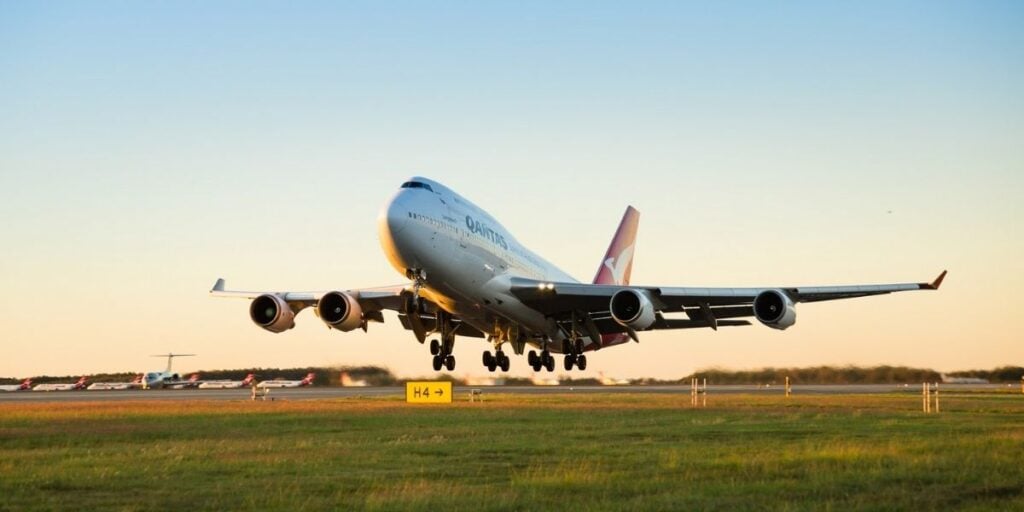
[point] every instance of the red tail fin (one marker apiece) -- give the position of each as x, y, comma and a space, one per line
194, 377
248, 379
617, 263
309, 378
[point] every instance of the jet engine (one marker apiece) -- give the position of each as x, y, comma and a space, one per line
774, 309
340, 310
631, 308
272, 313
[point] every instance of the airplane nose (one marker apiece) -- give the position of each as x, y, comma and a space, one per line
396, 215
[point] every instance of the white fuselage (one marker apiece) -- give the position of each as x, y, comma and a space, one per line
280, 384
467, 259
113, 386
55, 387
222, 384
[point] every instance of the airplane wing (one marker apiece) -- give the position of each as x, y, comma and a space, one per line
370, 299
705, 307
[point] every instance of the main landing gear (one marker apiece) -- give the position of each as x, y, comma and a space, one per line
542, 360
496, 360
574, 355
442, 354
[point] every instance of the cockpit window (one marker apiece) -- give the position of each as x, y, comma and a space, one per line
416, 184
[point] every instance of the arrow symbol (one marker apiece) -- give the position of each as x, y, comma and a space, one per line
440, 391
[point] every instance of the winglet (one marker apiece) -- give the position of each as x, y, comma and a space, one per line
934, 285
218, 286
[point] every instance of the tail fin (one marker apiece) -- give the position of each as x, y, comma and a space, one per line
194, 377
248, 379
309, 379
27, 384
617, 263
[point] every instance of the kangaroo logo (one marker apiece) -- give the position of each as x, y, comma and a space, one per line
618, 265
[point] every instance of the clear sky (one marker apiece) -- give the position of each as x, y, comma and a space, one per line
147, 148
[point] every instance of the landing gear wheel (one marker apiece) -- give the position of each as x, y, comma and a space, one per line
568, 362
547, 361
536, 361
435, 347
578, 346
581, 362
437, 363
504, 362
489, 361
449, 362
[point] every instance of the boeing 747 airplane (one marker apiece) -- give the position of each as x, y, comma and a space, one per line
469, 277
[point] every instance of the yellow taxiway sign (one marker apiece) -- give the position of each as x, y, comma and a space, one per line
428, 392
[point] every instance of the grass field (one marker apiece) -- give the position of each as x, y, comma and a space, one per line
592, 452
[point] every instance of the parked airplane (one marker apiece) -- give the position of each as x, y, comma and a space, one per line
308, 381
228, 384
962, 380
470, 277
68, 386
24, 386
167, 378
115, 386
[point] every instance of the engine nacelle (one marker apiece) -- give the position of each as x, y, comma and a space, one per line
774, 309
340, 310
632, 309
272, 313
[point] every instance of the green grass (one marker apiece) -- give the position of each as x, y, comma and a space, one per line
589, 452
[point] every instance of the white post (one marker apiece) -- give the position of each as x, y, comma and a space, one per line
936, 397
924, 398
704, 398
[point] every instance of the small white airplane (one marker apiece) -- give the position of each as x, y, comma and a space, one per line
470, 277
537, 380
69, 386
167, 378
487, 380
116, 386
25, 385
611, 381
348, 382
308, 381
193, 381
228, 384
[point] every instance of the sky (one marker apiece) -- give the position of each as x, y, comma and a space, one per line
148, 148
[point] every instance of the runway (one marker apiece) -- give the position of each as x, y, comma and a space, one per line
321, 393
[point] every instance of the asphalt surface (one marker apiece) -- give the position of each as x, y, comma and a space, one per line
320, 393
